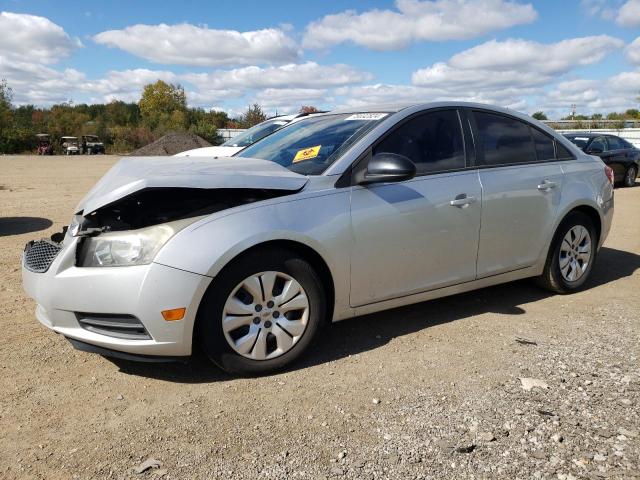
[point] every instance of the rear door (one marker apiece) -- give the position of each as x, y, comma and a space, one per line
618, 157
521, 188
409, 237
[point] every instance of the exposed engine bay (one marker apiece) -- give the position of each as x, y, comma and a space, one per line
154, 206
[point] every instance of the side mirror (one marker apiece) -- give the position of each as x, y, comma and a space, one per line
387, 167
595, 151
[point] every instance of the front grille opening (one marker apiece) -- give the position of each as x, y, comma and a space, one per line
126, 327
39, 255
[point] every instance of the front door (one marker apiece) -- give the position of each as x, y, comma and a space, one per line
420, 234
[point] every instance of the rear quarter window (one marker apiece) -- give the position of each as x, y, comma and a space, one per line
543, 144
563, 153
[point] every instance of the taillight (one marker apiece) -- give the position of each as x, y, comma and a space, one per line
608, 171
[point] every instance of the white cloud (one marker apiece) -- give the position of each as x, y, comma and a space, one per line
633, 51
525, 55
289, 100
33, 39
186, 44
28, 45
616, 93
514, 64
629, 14
389, 93
416, 20
304, 75
598, 8
125, 85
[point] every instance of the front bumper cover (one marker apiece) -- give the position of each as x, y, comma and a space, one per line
143, 291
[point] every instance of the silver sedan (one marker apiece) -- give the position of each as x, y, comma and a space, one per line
334, 216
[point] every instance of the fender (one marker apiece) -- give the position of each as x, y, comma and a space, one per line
321, 222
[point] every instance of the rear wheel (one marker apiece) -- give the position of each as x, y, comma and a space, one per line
571, 256
630, 176
261, 312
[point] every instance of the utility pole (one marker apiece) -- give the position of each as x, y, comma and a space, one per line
573, 111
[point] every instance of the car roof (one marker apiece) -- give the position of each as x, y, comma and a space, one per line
396, 107
589, 134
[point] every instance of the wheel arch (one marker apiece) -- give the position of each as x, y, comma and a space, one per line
305, 251
589, 210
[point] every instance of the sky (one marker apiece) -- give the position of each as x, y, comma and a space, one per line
538, 55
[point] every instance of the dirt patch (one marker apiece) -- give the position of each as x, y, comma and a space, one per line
170, 144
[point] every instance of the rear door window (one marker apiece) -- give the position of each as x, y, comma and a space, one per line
433, 141
503, 140
615, 143
598, 144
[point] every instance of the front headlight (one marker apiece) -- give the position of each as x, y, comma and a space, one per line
133, 247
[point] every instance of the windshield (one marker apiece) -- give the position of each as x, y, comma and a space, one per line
255, 133
309, 146
579, 141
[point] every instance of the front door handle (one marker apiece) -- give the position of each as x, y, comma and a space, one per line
462, 201
547, 185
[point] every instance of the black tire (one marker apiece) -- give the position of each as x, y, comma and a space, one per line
209, 319
552, 278
630, 176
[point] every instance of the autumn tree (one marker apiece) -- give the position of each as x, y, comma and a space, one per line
163, 107
310, 109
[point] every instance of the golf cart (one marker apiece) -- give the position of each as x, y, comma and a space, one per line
70, 145
91, 145
44, 144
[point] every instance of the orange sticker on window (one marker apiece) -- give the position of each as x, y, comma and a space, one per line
307, 153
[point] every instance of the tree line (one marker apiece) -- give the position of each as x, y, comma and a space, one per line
122, 126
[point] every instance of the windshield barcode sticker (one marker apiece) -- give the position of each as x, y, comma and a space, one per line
366, 116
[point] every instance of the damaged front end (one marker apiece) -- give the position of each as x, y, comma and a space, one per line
131, 231
138, 205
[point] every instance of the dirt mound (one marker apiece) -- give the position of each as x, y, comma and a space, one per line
170, 144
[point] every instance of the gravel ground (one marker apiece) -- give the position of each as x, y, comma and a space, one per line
434, 390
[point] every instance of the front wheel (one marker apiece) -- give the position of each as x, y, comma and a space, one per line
630, 176
261, 312
571, 256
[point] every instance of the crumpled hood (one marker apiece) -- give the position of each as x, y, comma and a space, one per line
133, 174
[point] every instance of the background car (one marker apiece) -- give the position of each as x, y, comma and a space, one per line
616, 152
246, 138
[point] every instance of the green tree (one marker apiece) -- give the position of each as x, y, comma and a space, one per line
163, 107
253, 116
6, 97
539, 116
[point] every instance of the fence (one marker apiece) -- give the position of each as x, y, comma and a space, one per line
227, 133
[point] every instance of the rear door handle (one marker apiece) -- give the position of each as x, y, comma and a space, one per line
547, 185
462, 201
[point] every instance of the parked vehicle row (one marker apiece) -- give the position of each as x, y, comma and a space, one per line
246, 138
335, 215
89, 145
